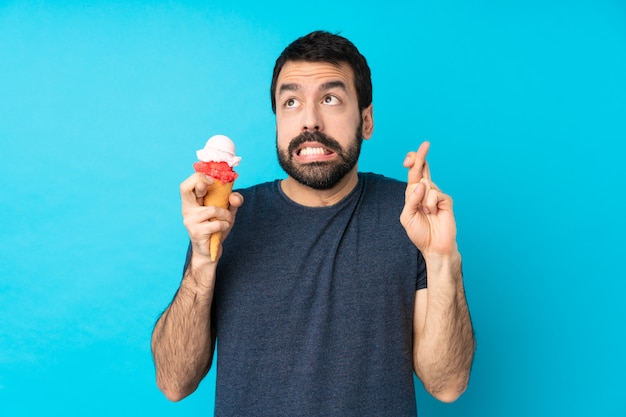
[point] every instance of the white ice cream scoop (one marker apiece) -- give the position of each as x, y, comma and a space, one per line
219, 148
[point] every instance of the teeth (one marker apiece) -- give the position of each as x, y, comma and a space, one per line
312, 151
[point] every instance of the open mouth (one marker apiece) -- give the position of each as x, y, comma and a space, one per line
311, 151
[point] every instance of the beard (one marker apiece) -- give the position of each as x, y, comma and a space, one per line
321, 175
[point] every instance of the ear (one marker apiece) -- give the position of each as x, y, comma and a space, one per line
367, 115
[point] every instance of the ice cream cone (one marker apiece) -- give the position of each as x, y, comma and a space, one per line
217, 195
216, 160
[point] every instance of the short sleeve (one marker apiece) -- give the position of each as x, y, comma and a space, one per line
421, 279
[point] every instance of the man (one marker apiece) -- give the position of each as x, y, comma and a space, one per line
318, 299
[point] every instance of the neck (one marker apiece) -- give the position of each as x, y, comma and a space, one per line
311, 197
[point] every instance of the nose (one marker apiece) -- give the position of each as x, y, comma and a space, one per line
312, 120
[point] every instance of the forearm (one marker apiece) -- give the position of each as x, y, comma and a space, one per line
445, 342
182, 340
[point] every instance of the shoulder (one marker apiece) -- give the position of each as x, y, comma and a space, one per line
259, 200
381, 185
375, 178
259, 190
381, 193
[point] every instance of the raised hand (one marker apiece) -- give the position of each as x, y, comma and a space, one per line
202, 221
427, 215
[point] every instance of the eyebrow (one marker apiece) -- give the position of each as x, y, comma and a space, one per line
324, 87
333, 84
289, 87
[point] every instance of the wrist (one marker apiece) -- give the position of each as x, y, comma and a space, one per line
452, 256
200, 274
446, 264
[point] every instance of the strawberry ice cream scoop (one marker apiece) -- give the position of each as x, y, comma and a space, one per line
217, 158
218, 170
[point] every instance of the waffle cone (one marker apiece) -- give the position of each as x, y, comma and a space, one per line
217, 195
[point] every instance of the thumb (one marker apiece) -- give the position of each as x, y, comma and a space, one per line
413, 199
235, 200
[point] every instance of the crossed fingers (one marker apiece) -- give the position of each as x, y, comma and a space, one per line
420, 182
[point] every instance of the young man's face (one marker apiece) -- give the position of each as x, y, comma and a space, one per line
319, 128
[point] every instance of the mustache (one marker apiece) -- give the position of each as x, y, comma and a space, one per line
314, 136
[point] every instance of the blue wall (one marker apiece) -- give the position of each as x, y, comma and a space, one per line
102, 107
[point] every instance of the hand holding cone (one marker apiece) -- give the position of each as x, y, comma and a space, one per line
216, 160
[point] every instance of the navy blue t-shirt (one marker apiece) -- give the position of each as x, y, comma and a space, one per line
313, 306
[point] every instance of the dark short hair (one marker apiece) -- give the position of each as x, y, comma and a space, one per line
321, 46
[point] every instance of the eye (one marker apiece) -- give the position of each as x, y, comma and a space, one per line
291, 103
331, 100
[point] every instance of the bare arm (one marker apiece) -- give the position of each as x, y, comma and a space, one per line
443, 338
183, 340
